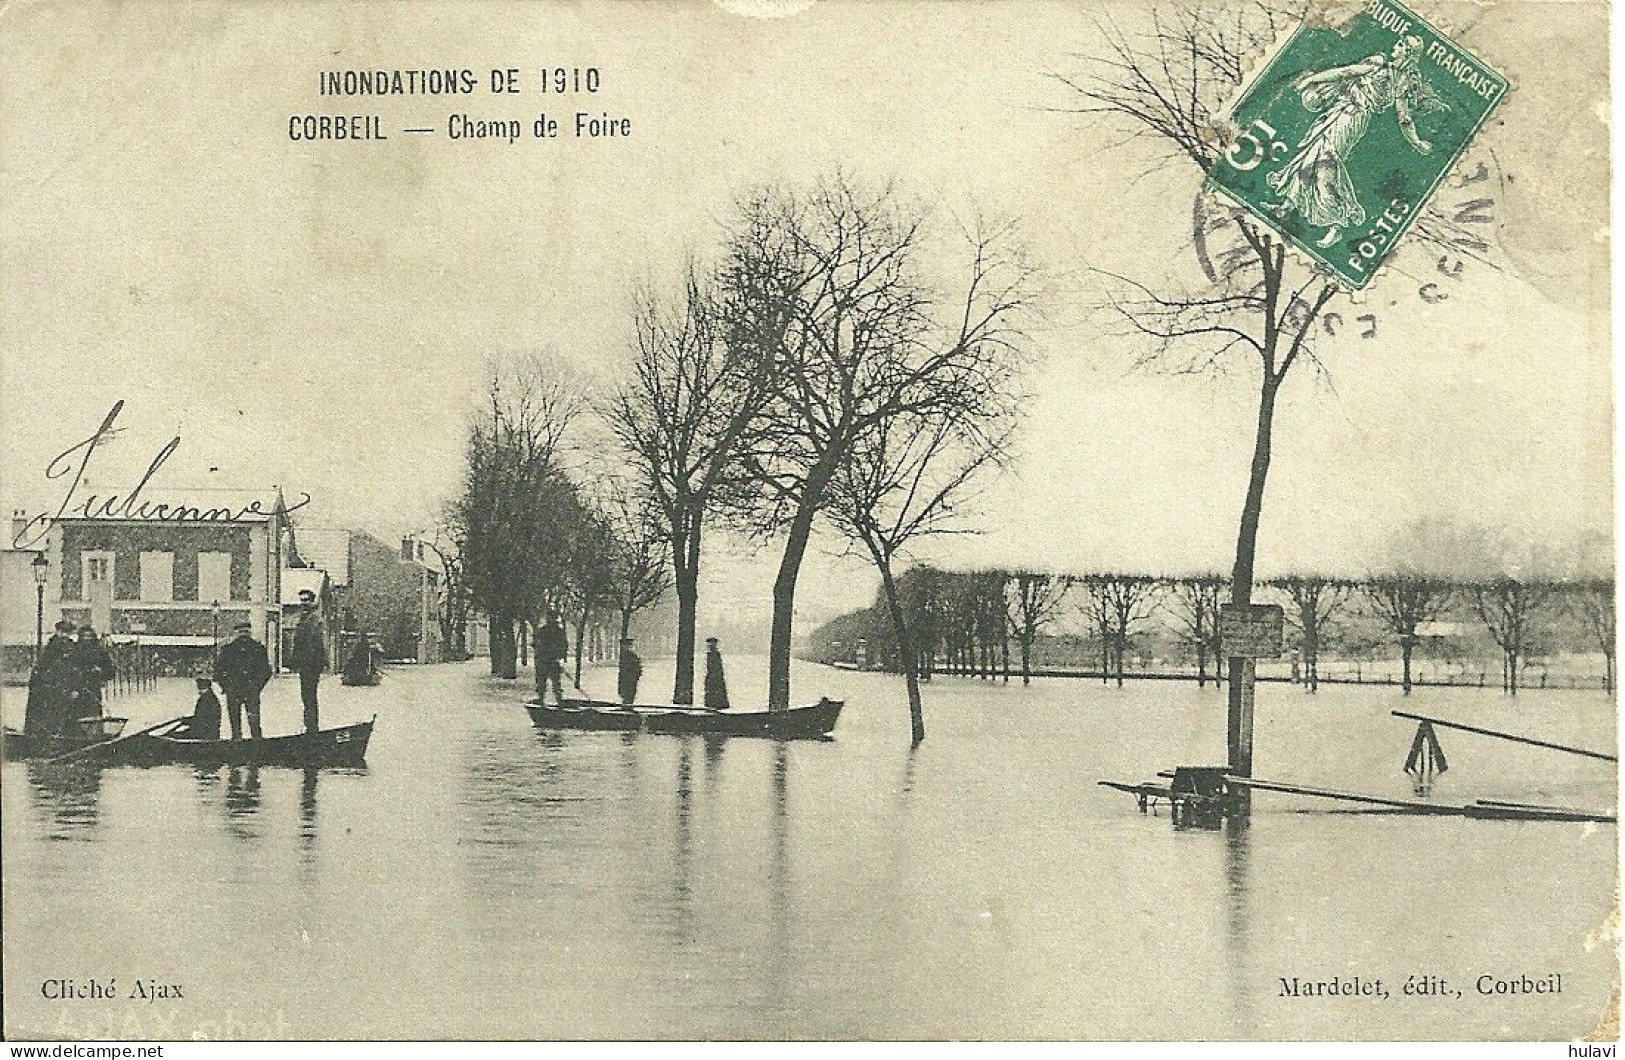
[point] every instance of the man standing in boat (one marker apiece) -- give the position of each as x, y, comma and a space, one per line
631, 673
92, 669
551, 649
309, 655
242, 670
716, 685
50, 687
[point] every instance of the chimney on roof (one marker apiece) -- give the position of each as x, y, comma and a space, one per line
409, 551
19, 523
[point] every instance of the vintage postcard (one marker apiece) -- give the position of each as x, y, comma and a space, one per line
807, 519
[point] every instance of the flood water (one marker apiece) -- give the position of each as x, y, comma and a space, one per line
480, 878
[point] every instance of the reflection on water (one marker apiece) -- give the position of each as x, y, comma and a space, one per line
1240, 976
65, 798
978, 885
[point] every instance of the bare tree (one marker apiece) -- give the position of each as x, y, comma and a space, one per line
1196, 609
830, 285
512, 511
1163, 86
1130, 600
692, 395
592, 580
1032, 601
1592, 600
904, 479
638, 530
1314, 602
456, 601
1405, 602
1507, 607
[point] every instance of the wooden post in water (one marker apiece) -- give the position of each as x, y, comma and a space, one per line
1243, 680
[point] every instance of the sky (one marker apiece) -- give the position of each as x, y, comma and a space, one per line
317, 315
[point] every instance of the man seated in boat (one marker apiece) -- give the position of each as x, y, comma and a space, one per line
204, 724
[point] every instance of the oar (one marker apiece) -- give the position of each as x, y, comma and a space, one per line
80, 752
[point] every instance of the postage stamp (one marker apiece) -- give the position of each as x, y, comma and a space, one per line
1345, 133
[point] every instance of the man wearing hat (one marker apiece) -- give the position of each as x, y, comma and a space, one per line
50, 686
631, 671
716, 685
241, 670
309, 655
92, 669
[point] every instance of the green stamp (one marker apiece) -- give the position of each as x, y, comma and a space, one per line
1346, 132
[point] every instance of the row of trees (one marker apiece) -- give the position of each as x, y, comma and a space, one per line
974, 622
829, 368
532, 535
840, 362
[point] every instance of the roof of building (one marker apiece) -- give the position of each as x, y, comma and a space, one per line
297, 579
325, 548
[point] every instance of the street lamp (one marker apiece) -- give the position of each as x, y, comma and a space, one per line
41, 566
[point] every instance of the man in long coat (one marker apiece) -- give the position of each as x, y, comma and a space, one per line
50, 686
309, 655
92, 669
552, 645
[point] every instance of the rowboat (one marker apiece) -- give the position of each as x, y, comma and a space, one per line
346, 746
810, 722
20, 745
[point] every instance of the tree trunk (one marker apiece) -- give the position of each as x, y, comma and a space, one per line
905, 647
1406, 646
503, 647
524, 643
1027, 660
685, 549
1240, 720
581, 635
784, 600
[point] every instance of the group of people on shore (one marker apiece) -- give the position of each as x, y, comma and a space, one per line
65, 685
552, 646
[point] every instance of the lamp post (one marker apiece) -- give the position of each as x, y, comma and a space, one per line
214, 648
40, 566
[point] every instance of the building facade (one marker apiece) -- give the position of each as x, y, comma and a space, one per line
174, 584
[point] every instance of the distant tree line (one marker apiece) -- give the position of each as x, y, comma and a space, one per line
988, 623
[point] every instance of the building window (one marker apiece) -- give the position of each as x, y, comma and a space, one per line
158, 577
213, 576
97, 567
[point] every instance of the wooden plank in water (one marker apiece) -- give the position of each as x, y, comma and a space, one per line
1571, 813
1531, 741
1138, 789
1403, 805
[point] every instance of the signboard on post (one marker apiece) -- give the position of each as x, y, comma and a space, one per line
1251, 632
